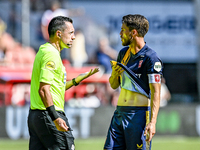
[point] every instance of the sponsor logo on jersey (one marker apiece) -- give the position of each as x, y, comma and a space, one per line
139, 146
50, 65
139, 75
157, 66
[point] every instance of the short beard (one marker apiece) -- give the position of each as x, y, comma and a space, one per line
127, 42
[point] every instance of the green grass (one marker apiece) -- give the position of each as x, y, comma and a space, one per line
176, 143
7, 144
159, 143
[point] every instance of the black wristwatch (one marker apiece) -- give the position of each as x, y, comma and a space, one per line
74, 82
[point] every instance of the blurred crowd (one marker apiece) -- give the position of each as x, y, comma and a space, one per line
14, 54
92, 46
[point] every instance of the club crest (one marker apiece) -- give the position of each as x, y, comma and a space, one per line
140, 63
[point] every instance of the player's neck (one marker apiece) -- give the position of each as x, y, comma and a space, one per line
137, 45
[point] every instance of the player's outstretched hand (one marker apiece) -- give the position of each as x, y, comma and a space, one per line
61, 125
87, 74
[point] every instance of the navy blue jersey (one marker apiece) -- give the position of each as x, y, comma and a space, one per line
144, 64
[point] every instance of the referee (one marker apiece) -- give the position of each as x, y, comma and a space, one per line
47, 123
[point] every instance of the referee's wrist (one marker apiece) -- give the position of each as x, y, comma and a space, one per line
74, 82
52, 112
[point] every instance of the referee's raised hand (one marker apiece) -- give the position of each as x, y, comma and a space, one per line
85, 75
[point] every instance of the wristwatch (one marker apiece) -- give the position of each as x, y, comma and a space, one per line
74, 82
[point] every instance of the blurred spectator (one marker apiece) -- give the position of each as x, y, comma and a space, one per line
2, 30
13, 53
78, 52
38, 5
56, 10
165, 94
106, 94
105, 53
20, 94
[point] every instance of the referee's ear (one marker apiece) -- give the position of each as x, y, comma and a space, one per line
58, 34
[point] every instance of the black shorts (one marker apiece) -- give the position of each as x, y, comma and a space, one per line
44, 134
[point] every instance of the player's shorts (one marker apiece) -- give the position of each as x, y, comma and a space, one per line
44, 134
126, 131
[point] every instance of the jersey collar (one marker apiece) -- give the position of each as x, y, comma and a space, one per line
141, 53
54, 47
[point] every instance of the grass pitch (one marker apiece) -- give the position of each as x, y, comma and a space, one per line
96, 143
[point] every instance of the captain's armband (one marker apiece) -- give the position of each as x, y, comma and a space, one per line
154, 78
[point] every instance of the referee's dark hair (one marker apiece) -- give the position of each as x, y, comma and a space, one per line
58, 23
138, 22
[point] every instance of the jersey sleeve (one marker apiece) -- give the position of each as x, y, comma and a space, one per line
154, 65
48, 68
154, 69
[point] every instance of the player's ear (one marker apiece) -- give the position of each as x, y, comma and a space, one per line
134, 32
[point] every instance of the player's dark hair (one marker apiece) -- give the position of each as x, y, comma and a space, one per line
138, 22
58, 23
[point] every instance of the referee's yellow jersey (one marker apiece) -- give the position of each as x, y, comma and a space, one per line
48, 68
